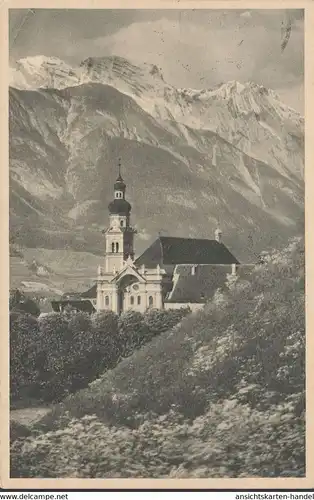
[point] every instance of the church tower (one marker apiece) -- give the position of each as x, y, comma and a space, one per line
119, 235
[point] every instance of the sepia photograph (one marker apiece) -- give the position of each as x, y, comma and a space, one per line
156, 237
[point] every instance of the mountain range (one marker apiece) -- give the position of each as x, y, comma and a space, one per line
232, 156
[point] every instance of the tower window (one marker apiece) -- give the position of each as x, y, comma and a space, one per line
117, 247
121, 223
132, 300
138, 299
107, 300
112, 247
150, 301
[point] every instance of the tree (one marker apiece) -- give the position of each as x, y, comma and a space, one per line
159, 321
106, 338
133, 331
18, 302
24, 349
56, 347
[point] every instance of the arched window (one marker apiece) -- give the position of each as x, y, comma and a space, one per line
150, 301
138, 299
107, 300
112, 247
132, 300
117, 247
121, 223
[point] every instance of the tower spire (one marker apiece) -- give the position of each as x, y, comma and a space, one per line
119, 169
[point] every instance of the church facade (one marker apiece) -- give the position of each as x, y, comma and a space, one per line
122, 284
172, 272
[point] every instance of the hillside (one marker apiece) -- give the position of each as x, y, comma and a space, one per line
232, 156
220, 396
49, 272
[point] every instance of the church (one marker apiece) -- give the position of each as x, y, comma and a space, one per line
172, 272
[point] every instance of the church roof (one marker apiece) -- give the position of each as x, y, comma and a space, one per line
119, 184
91, 293
202, 285
168, 250
82, 305
119, 206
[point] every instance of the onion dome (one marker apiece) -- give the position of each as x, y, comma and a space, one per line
119, 185
119, 206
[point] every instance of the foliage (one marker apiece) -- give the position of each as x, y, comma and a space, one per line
133, 331
18, 431
220, 396
64, 352
106, 339
24, 350
228, 440
159, 321
18, 302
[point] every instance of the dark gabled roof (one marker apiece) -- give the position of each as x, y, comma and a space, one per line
201, 286
90, 294
81, 305
168, 250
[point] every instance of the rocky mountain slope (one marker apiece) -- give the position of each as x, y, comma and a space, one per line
231, 155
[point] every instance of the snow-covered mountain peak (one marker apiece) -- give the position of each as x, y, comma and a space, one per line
42, 71
39, 61
246, 114
115, 68
227, 90
143, 82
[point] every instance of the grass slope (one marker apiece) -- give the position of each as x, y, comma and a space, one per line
221, 396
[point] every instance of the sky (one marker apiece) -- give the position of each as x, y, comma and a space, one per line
195, 48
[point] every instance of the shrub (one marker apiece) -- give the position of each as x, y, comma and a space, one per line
66, 351
24, 354
106, 339
57, 349
159, 321
18, 302
78, 348
133, 331
228, 440
18, 431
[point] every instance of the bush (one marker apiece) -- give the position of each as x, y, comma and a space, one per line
24, 355
64, 352
78, 348
229, 440
106, 340
18, 302
133, 331
18, 431
159, 321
